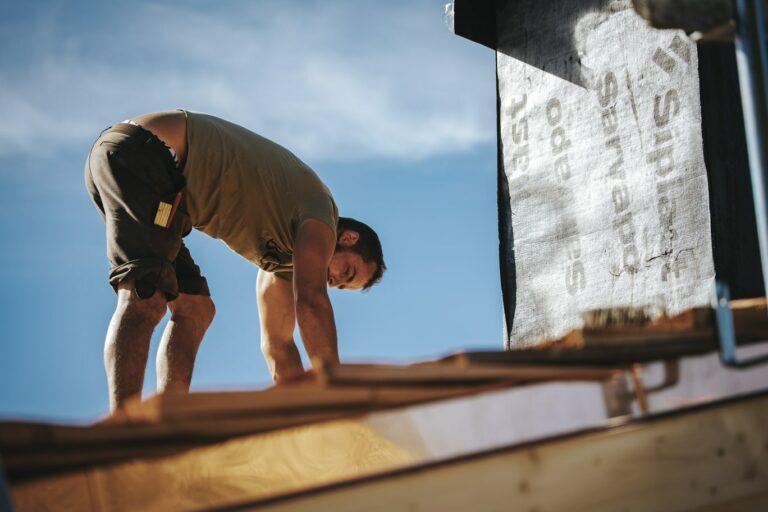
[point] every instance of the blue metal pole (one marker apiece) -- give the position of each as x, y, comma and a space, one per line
752, 63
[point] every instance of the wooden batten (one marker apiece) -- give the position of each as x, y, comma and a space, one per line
304, 398
442, 374
689, 333
695, 327
167, 424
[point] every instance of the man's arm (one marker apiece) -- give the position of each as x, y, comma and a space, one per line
277, 318
312, 251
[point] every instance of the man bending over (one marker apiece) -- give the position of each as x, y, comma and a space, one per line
154, 178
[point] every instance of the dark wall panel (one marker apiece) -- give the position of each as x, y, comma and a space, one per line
734, 234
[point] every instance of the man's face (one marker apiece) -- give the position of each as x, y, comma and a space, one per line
347, 270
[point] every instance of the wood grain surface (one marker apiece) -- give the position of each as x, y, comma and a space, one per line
236, 470
702, 461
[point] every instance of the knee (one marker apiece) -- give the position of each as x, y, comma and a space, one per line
199, 308
150, 310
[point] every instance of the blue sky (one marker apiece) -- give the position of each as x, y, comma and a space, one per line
395, 113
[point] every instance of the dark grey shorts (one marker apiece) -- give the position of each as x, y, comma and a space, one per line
128, 174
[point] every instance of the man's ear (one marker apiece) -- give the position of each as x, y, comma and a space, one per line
348, 238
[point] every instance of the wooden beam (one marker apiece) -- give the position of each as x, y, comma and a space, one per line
143, 440
694, 327
168, 424
689, 333
216, 475
702, 461
440, 373
278, 400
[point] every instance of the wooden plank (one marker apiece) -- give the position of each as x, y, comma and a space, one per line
439, 373
188, 421
627, 336
68, 492
240, 468
750, 319
689, 333
607, 356
276, 406
695, 326
29, 461
173, 423
697, 461
752, 503
432, 431
282, 399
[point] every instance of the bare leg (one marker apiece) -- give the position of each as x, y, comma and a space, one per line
190, 317
127, 343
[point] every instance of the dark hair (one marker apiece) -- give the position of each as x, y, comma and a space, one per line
368, 246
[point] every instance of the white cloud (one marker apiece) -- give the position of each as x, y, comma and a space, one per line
334, 81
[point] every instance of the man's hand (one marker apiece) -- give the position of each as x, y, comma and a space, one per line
312, 252
282, 303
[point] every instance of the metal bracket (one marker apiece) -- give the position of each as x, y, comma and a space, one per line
636, 374
619, 396
726, 332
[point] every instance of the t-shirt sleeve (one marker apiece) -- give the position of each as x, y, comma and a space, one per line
322, 208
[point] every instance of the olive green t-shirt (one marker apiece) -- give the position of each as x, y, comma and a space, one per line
250, 192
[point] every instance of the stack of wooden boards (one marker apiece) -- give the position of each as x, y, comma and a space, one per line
669, 337
166, 424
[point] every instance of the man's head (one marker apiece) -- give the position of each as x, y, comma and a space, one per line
358, 262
